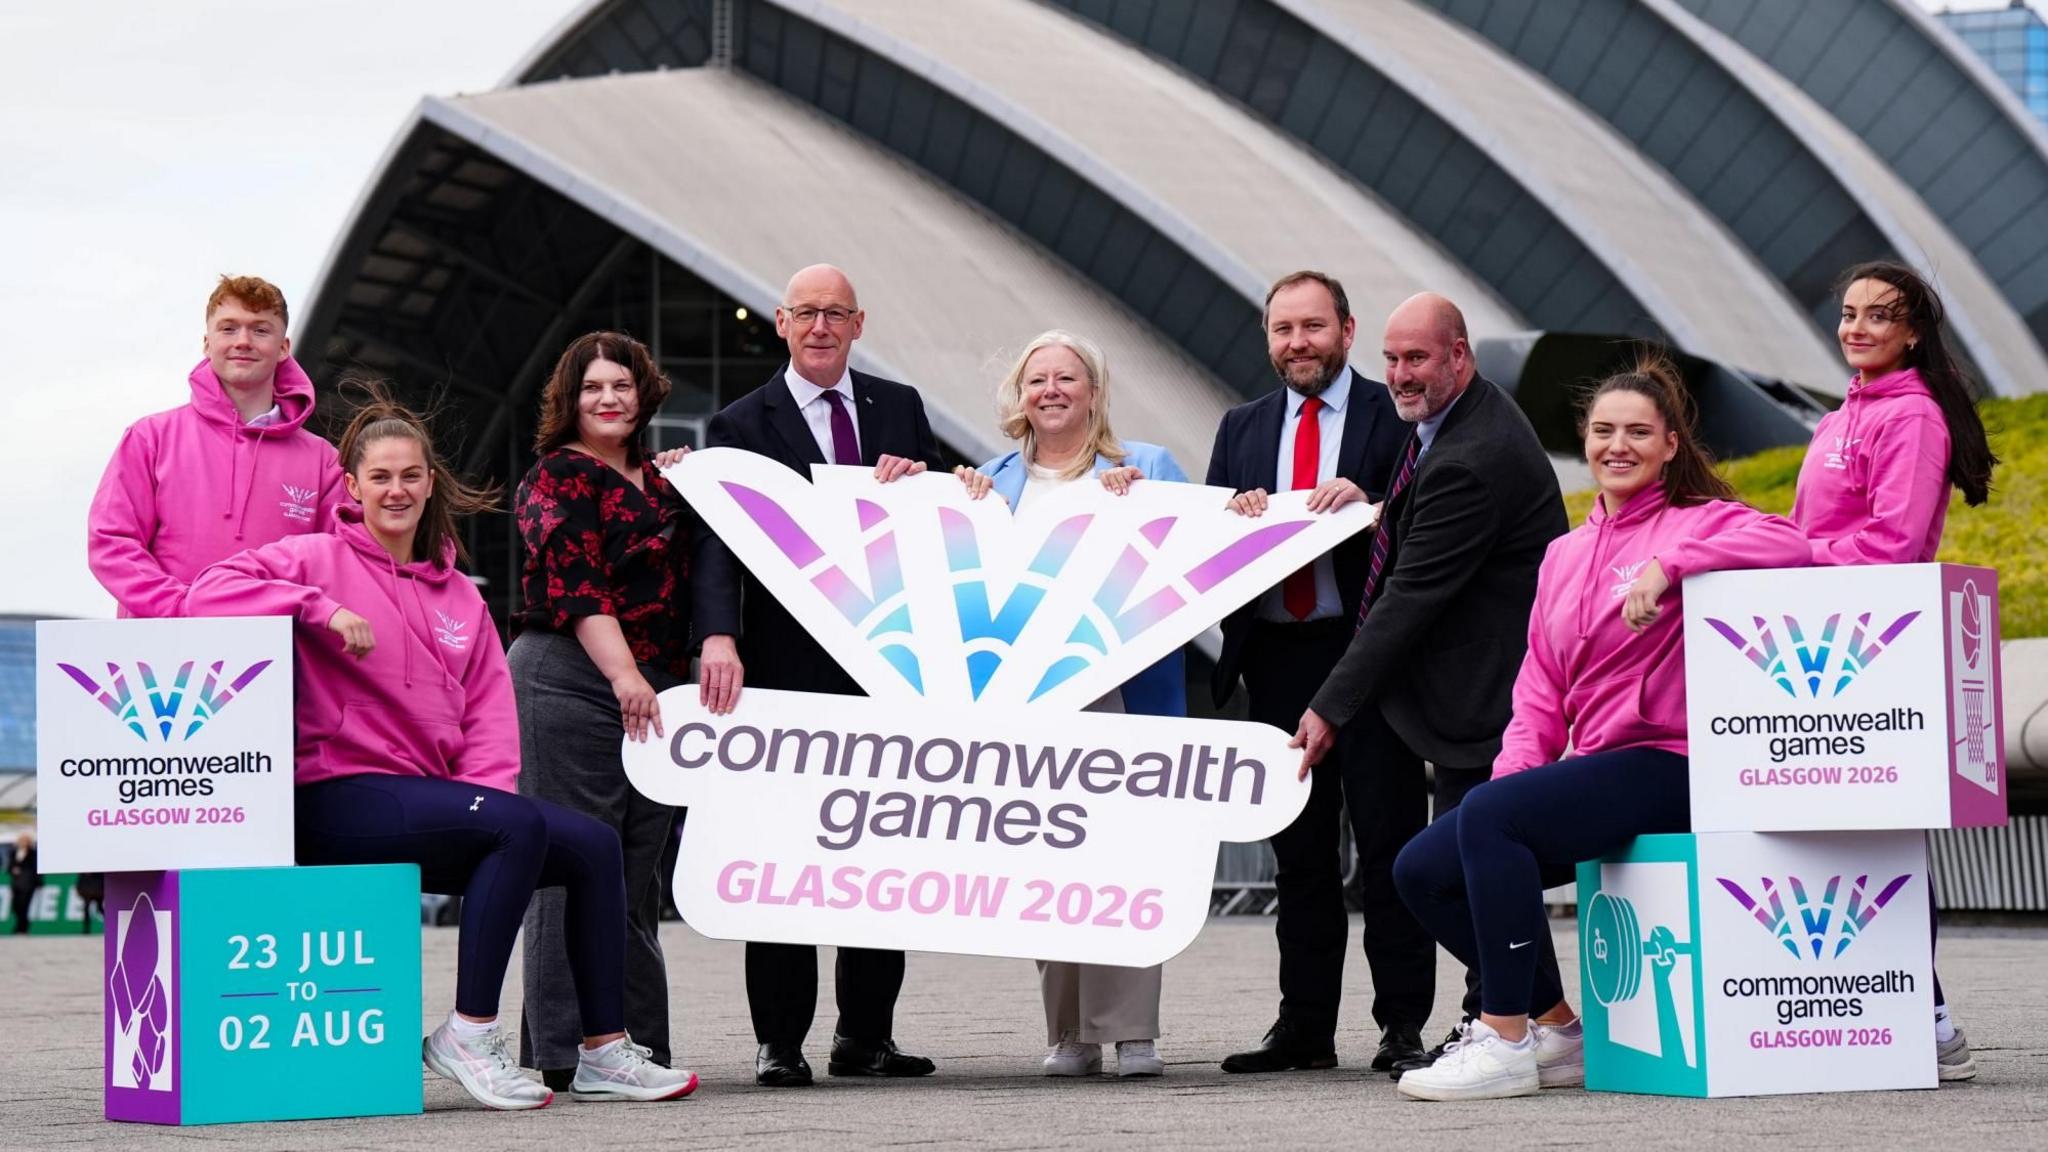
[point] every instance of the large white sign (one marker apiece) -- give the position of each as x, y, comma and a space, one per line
1844, 698
883, 823
1007, 822
163, 743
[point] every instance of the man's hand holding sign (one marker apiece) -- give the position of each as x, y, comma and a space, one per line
977, 827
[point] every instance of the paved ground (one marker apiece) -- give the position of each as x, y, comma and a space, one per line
980, 1019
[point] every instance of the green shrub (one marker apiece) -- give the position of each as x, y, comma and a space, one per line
2009, 532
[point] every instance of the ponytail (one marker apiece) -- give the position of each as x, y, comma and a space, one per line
1689, 478
379, 416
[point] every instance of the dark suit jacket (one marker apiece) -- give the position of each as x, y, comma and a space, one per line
776, 651
1247, 456
1439, 653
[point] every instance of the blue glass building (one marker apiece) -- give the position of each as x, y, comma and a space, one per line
2014, 42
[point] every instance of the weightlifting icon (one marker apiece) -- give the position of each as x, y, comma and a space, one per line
1612, 939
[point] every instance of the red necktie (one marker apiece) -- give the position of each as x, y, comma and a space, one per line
1298, 592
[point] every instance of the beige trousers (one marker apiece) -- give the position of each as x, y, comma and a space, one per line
1099, 1003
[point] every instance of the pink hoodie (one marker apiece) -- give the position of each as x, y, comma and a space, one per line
433, 697
1874, 488
1588, 680
194, 485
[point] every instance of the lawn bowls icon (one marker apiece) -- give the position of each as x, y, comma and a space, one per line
1616, 950
136, 996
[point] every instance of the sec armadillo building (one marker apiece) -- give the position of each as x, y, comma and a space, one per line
1575, 175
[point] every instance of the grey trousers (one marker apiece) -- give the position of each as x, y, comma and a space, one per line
569, 734
1100, 1003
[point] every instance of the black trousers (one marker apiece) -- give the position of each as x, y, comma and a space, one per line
1379, 784
782, 991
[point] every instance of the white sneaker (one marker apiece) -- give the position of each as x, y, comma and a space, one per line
1070, 1057
1138, 1058
622, 1070
485, 1067
1560, 1058
1483, 1067
1954, 1059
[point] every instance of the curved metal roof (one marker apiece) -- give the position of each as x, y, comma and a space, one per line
1929, 109
1250, 203
1700, 285
742, 185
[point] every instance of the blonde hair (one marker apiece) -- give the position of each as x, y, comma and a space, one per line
1010, 415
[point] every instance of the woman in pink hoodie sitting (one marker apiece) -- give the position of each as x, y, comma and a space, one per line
408, 752
1875, 486
1604, 676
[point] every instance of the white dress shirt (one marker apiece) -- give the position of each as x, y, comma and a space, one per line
810, 400
1330, 427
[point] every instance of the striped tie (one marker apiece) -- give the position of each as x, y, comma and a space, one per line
1379, 534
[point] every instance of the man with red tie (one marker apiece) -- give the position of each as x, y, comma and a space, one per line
1328, 430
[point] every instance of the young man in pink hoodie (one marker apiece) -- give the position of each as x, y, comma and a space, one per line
1605, 677
1875, 485
408, 752
235, 468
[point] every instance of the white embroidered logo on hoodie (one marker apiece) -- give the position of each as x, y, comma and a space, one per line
450, 631
1839, 458
298, 504
1625, 577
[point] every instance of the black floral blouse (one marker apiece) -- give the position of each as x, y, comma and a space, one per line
597, 546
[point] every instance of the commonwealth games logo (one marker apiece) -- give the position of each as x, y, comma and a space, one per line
1812, 919
165, 697
1814, 662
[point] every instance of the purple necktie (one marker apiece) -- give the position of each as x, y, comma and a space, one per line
1377, 569
845, 449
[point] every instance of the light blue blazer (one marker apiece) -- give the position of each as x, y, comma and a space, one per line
1160, 690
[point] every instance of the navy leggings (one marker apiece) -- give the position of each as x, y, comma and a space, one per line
492, 849
1475, 878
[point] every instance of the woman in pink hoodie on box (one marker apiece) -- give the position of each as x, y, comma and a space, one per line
1604, 677
1875, 485
408, 753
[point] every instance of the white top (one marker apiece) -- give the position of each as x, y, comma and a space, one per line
810, 400
1330, 428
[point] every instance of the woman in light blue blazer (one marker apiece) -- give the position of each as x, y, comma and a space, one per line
1055, 403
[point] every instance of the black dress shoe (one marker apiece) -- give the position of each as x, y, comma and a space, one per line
1283, 1050
781, 1066
860, 1058
1425, 1059
1400, 1045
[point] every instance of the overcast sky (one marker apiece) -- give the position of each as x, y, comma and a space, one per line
149, 146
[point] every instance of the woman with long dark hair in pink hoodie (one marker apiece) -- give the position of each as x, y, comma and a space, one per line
408, 752
1605, 677
1876, 482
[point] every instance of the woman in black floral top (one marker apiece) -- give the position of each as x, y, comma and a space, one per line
604, 627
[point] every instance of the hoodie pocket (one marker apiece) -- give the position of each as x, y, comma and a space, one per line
416, 740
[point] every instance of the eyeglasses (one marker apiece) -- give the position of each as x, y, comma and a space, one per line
807, 316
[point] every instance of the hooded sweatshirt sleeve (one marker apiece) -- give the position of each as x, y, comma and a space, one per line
1908, 487
1736, 536
333, 490
1536, 732
267, 581
490, 719
121, 531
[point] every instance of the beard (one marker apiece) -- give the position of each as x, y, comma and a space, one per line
1327, 369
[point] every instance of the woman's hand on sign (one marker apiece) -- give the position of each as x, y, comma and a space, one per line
1639, 608
663, 461
1118, 480
1314, 737
978, 484
719, 675
356, 639
639, 709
